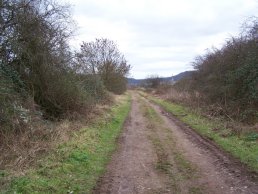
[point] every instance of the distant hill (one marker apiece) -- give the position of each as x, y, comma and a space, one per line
132, 81
178, 76
135, 82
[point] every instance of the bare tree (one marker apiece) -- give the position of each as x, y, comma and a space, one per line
102, 57
152, 81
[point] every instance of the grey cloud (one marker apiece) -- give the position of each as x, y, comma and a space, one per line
164, 32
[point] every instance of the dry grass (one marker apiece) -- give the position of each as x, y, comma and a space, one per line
75, 158
20, 150
213, 111
184, 97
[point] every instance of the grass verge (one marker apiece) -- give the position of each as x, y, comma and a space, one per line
75, 166
238, 145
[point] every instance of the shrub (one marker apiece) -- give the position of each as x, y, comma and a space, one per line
228, 77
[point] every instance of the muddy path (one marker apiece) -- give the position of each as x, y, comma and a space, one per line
158, 154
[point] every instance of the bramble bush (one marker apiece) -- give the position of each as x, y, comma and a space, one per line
227, 78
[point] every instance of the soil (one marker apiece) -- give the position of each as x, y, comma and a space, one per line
170, 157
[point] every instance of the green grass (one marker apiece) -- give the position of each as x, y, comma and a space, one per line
75, 166
238, 145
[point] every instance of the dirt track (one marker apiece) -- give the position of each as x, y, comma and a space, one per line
159, 154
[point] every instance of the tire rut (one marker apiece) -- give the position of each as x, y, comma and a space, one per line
220, 171
134, 167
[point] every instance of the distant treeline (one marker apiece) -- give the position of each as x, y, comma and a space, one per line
161, 80
40, 76
226, 79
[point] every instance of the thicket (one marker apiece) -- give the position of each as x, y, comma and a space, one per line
226, 79
40, 76
101, 58
152, 81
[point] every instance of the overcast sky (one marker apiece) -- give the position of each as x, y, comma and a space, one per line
160, 36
